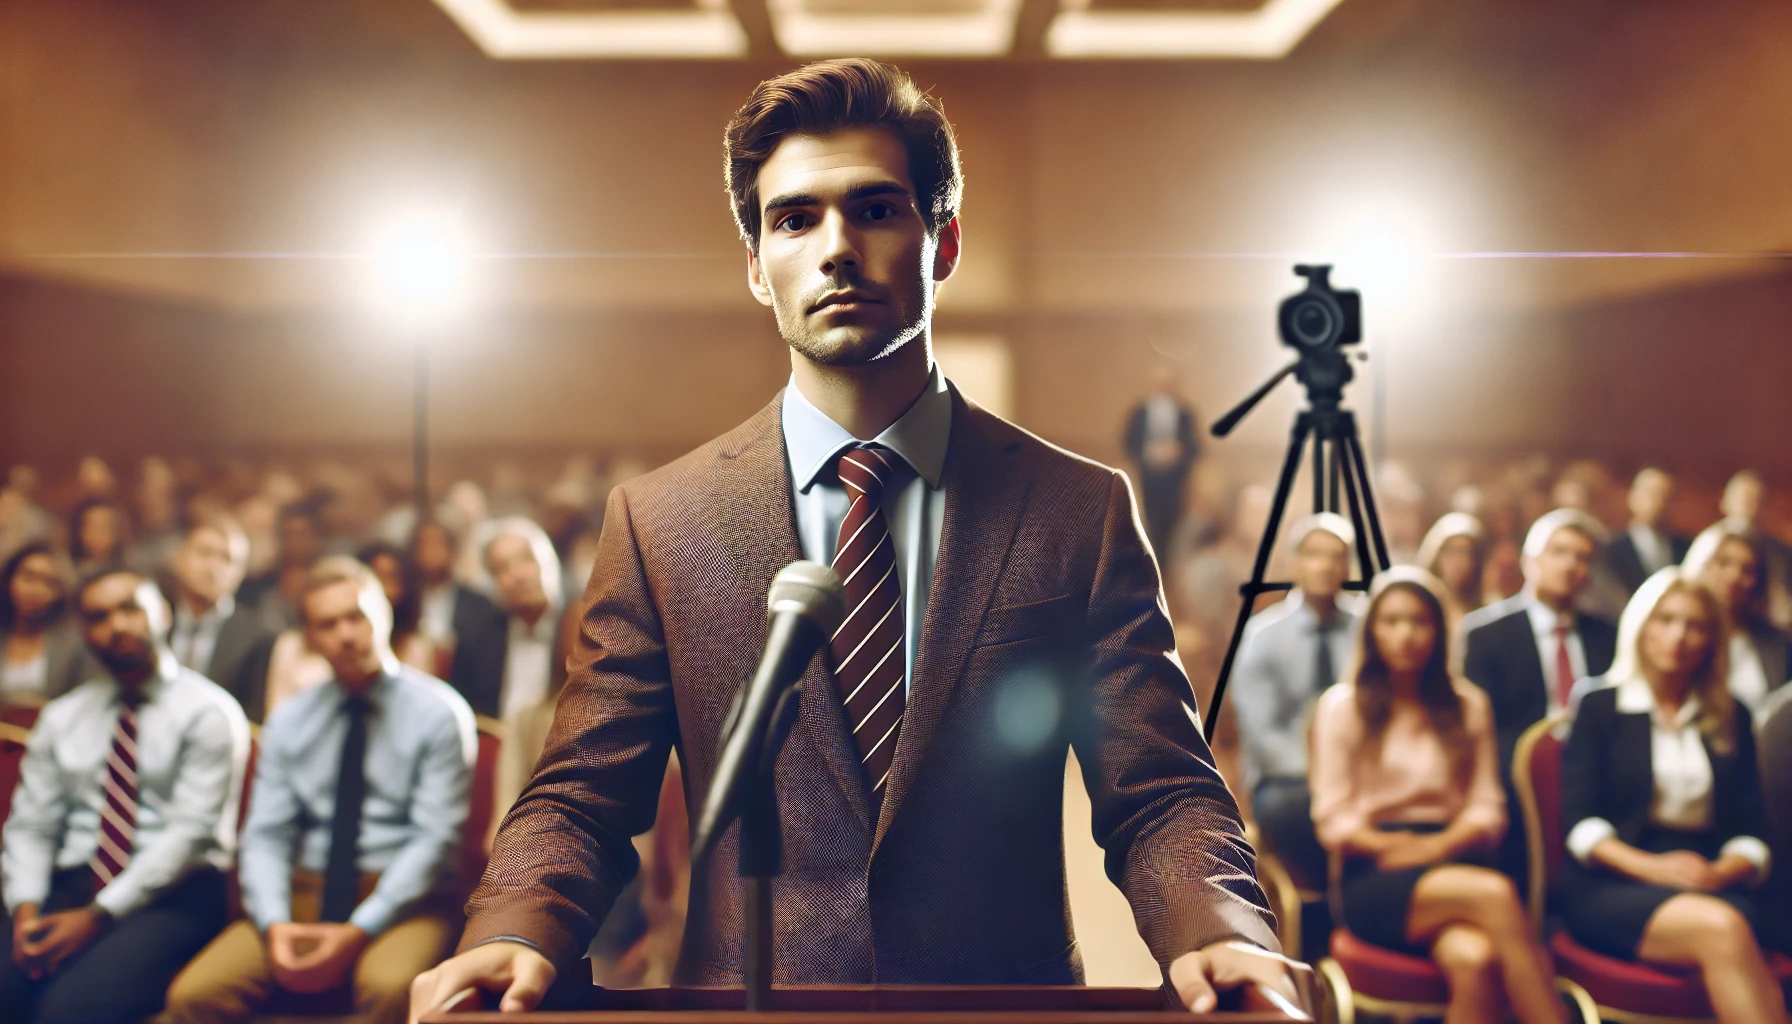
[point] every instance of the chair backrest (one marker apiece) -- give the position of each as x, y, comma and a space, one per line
12, 757
1773, 743
22, 715
481, 803
1537, 776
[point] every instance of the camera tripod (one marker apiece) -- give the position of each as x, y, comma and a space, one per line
1338, 466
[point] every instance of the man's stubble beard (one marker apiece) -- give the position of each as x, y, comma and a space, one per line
912, 314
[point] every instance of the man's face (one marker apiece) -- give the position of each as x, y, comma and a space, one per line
206, 568
1561, 571
1743, 498
1321, 565
299, 541
845, 259
513, 566
434, 552
342, 624
115, 622
1649, 496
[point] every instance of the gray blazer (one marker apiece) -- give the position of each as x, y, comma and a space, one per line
69, 663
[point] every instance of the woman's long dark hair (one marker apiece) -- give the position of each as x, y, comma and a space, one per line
407, 611
1437, 690
8, 614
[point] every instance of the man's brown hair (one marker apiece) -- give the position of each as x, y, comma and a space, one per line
829, 96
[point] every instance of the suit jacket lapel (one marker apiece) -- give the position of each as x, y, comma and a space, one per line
759, 526
983, 503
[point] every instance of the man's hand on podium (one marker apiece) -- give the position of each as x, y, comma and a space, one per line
516, 970
1199, 976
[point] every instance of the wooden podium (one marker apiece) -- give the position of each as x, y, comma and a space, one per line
884, 1004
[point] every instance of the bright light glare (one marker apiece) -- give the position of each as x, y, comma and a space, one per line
1380, 260
420, 266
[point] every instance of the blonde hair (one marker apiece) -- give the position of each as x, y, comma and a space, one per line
1706, 546
1710, 683
333, 569
1549, 523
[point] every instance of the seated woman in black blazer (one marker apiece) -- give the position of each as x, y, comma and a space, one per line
1662, 801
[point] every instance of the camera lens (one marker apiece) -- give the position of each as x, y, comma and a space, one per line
1313, 323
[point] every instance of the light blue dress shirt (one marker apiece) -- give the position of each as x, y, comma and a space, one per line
913, 501
1273, 688
192, 748
419, 770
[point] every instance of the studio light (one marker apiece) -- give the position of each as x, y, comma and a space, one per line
420, 266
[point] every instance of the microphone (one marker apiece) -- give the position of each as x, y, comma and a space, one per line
806, 605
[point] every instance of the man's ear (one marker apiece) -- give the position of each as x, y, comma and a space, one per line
756, 279
946, 250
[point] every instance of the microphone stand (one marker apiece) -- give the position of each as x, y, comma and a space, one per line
762, 851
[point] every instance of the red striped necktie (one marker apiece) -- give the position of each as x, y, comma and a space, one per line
868, 649
118, 817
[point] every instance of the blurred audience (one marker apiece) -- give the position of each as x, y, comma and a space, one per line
43, 654
98, 534
463, 625
404, 590
1406, 792
1454, 551
122, 825
1759, 654
275, 594
361, 790
1291, 653
526, 575
1744, 499
1662, 798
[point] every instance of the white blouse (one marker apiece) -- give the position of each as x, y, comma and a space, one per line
1683, 780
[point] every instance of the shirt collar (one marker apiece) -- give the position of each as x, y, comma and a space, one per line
222, 610
813, 442
1636, 698
1544, 619
375, 695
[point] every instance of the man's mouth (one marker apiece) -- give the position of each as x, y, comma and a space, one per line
842, 300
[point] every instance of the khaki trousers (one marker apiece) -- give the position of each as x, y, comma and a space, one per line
230, 981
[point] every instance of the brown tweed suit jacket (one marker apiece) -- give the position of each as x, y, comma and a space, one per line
1045, 627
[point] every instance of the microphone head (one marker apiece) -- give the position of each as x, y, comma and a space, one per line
811, 590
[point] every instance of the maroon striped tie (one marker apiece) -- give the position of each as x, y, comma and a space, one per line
118, 818
867, 650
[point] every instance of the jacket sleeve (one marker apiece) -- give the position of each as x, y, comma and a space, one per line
1584, 761
564, 851
1171, 831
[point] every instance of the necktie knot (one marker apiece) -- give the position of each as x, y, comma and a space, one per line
864, 469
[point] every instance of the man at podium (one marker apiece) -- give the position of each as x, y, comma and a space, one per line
1001, 606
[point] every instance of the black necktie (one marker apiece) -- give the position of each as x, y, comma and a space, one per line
1323, 674
342, 874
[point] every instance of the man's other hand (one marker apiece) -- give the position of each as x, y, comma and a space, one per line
309, 958
1200, 976
516, 970
53, 938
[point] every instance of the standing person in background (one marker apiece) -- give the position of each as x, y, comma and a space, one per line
1291, 653
526, 574
464, 627
1661, 797
1528, 651
212, 634
1758, 654
123, 823
360, 793
1454, 551
98, 534
41, 656
1406, 791
404, 589
1744, 498
1163, 447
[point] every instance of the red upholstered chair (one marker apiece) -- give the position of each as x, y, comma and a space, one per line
23, 716
1625, 991
481, 808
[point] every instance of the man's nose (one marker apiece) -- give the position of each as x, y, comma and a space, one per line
840, 245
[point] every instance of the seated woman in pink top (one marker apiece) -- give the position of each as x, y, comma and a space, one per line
1406, 792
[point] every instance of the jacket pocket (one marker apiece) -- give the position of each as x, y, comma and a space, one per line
1014, 623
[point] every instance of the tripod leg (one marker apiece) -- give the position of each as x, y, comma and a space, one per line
1364, 561
1303, 425
1337, 465
1361, 468
1319, 470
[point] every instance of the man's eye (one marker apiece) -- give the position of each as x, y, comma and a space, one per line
878, 211
794, 222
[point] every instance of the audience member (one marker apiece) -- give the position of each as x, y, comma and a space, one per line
360, 793
1454, 551
1406, 792
98, 534
1646, 546
1163, 447
1759, 653
464, 627
404, 589
122, 824
40, 645
212, 635
276, 595
1743, 499
158, 531
1527, 652
526, 575
1292, 652
1662, 800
